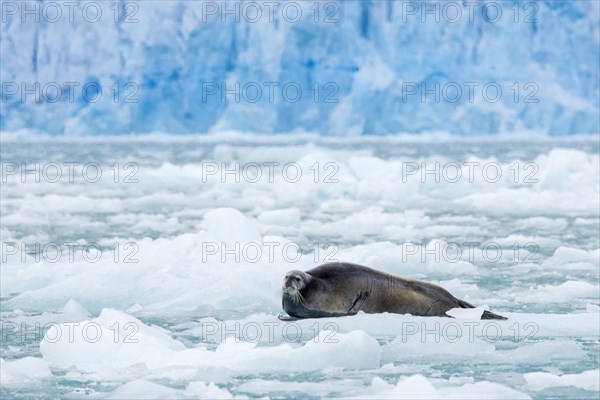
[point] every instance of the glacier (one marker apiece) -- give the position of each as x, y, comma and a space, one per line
337, 68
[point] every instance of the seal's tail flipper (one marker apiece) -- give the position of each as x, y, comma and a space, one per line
464, 304
491, 315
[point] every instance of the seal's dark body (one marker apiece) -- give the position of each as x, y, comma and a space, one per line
339, 289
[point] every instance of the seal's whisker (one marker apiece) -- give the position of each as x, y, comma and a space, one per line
295, 295
301, 298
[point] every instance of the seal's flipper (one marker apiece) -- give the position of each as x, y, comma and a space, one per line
358, 302
491, 315
485, 315
283, 317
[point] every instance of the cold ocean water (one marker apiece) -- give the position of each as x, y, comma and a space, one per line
152, 268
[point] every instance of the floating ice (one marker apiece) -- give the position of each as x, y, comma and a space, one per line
571, 258
592, 308
118, 340
290, 216
143, 389
14, 322
230, 226
353, 350
559, 293
466, 313
413, 387
341, 387
587, 380
442, 341
419, 387
406, 259
75, 310
23, 370
482, 390
114, 339
552, 306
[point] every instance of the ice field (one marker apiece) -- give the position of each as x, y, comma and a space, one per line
152, 269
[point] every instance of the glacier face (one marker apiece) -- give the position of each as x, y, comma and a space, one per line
331, 67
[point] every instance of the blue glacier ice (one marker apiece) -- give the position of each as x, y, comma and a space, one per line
330, 67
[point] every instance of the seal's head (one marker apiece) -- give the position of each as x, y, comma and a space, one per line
295, 280
293, 283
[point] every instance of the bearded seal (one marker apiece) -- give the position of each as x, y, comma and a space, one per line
340, 289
